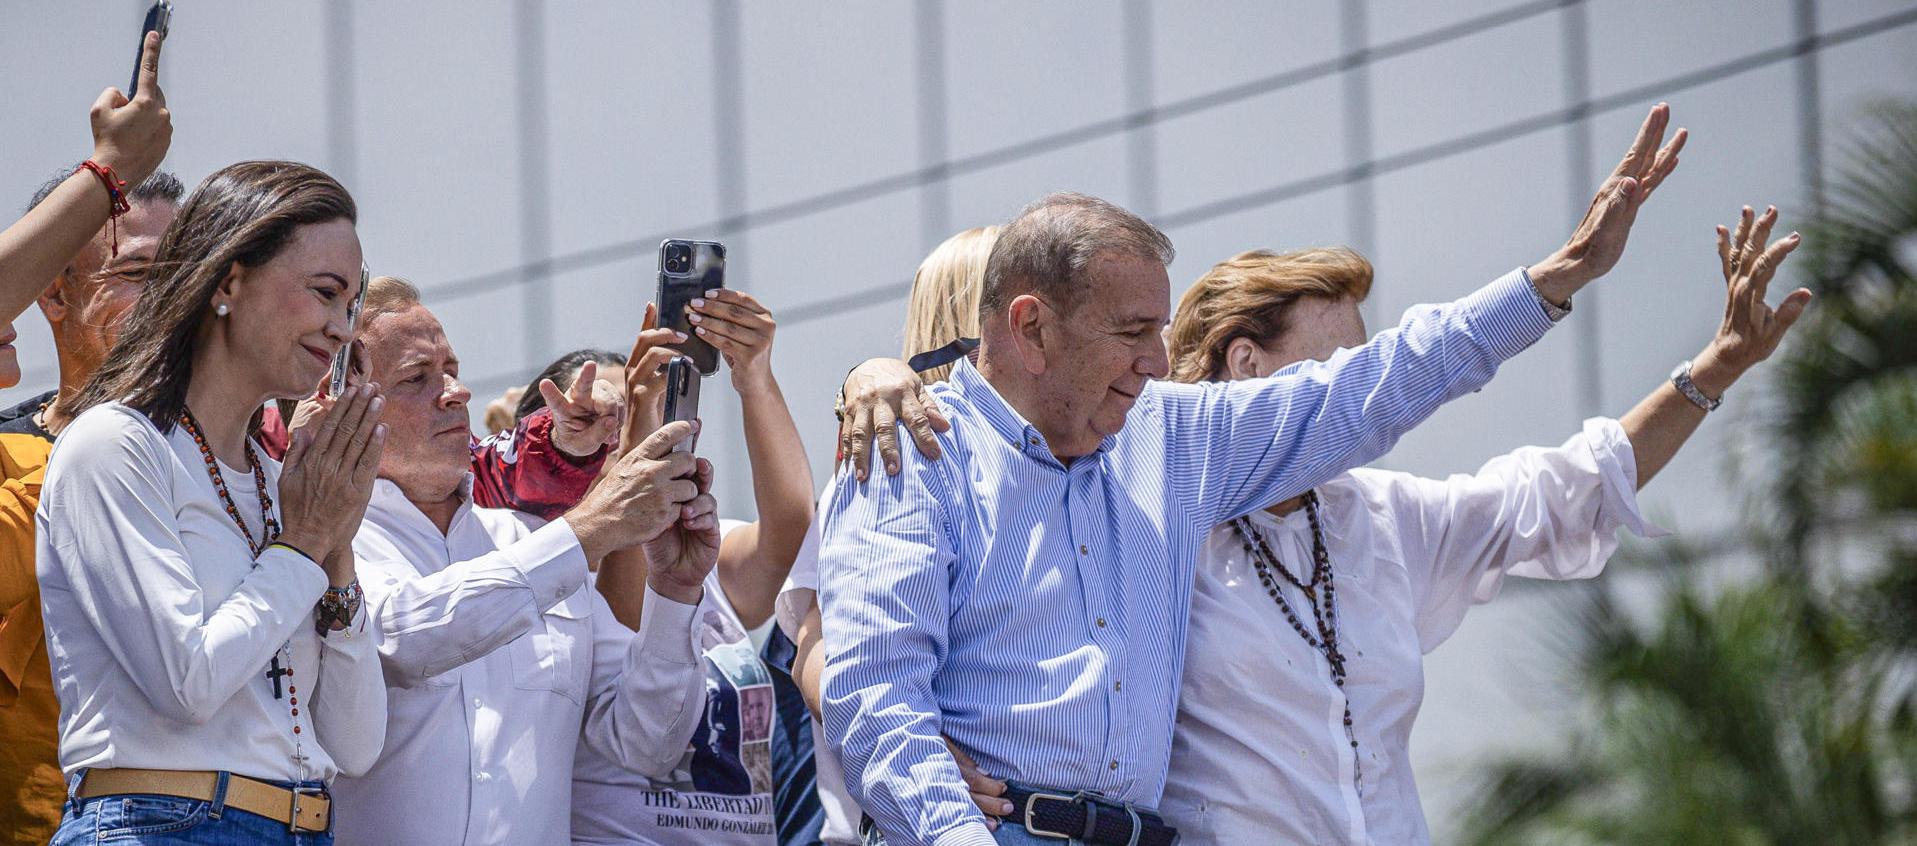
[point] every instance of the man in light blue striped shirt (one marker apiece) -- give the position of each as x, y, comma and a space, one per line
1026, 595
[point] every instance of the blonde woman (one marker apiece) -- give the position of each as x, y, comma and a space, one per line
943, 311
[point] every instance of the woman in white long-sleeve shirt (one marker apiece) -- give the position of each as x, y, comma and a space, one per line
201, 608
1310, 620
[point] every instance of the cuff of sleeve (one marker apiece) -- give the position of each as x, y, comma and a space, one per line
308, 579
966, 834
1617, 466
666, 630
552, 562
1507, 315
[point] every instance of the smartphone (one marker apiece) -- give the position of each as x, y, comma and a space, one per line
158, 16
682, 397
343, 358
687, 270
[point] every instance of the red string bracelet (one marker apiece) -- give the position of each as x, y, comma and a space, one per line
114, 185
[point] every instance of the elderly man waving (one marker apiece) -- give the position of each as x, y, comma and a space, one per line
1027, 595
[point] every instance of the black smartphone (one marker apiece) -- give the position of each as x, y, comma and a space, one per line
682, 397
158, 16
687, 270
343, 358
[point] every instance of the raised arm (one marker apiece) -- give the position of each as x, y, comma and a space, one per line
131, 137
754, 558
1750, 332
1246, 444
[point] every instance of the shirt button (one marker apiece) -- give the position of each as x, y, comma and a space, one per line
1114, 765
1101, 622
1033, 441
475, 702
1084, 550
1118, 686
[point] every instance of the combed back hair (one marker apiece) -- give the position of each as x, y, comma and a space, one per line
562, 371
1250, 296
385, 295
945, 294
161, 185
243, 215
1045, 250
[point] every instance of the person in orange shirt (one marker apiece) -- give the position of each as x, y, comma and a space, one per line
95, 258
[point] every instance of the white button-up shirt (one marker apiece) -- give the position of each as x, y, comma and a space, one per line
1260, 754
161, 624
500, 661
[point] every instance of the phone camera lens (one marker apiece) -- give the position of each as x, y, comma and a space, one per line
678, 258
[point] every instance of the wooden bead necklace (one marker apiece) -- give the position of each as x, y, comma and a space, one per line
1324, 615
269, 531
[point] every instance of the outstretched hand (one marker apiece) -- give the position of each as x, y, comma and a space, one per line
132, 136
645, 399
1752, 329
1598, 242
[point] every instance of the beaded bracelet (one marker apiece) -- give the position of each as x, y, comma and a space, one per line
337, 608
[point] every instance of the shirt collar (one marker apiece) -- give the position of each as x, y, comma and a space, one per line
388, 498
1003, 418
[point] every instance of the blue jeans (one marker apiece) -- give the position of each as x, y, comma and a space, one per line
137, 818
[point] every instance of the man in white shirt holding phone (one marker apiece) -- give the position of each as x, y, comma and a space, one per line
499, 659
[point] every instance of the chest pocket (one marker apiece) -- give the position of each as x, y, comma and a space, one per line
556, 655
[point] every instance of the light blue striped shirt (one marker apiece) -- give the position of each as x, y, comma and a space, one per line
1035, 612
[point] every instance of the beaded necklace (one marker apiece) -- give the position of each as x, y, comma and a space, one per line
269, 531
1324, 615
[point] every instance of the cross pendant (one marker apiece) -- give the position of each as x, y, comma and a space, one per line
273, 674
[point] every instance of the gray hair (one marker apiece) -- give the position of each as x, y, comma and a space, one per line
1046, 249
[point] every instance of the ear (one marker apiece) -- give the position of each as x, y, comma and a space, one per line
53, 301
1028, 317
1244, 359
229, 288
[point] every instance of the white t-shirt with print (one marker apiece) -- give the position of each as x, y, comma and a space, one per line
721, 791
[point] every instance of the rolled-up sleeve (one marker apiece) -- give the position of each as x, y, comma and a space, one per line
884, 564
1540, 513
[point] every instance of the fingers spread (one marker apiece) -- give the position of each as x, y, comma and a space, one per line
1724, 251
582, 383
549, 390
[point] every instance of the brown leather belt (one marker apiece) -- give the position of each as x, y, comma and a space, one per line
299, 811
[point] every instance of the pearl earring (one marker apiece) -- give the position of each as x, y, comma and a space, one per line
221, 309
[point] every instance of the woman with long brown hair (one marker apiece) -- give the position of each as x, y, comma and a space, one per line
202, 612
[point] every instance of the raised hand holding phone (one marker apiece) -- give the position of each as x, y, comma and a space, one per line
690, 270
682, 398
131, 133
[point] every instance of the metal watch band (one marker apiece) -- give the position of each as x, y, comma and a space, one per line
1681, 379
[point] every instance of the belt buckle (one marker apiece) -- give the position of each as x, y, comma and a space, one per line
1034, 830
293, 817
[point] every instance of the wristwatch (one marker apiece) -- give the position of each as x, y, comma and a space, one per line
1551, 310
1681, 379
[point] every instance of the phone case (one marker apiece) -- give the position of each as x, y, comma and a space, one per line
702, 268
682, 397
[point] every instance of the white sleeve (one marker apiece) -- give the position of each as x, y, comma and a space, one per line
801, 591
349, 703
108, 512
648, 688
1540, 513
431, 624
